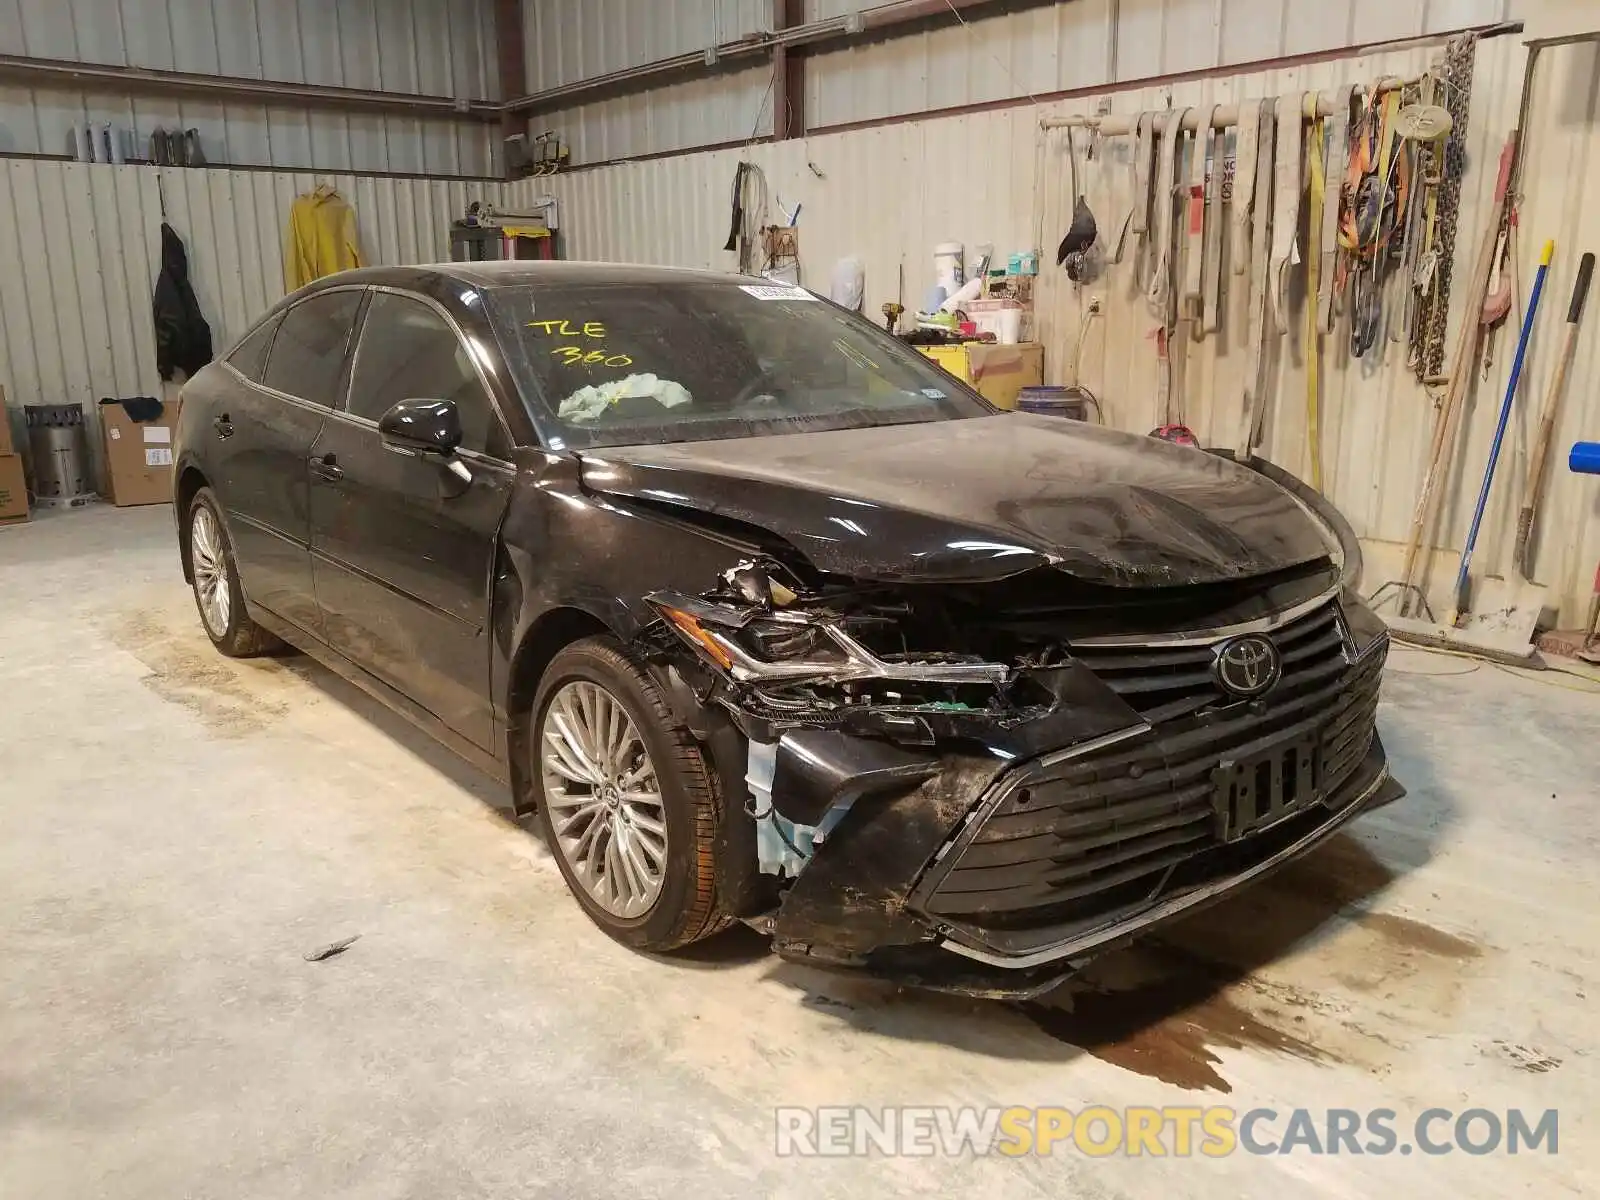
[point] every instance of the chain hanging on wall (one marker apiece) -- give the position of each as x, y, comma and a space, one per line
1448, 165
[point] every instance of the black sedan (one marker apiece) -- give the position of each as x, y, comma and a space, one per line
762, 617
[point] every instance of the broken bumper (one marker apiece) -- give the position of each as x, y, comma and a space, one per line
971, 881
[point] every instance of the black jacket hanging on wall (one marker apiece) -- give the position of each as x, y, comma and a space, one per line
183, 339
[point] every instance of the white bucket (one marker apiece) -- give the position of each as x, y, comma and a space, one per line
949, 266
1010, 332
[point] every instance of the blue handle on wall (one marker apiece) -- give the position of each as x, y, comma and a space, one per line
1585, 458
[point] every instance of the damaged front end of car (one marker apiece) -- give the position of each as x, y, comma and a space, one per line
932, 783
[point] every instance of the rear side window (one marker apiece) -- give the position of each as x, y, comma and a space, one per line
249, 357
408, 351
308, 353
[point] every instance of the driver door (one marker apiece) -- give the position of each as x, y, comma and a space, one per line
401, 548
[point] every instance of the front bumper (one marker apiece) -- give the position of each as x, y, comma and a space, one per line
876, 898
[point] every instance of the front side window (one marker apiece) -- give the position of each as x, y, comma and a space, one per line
613, 364
307, 356
409, 352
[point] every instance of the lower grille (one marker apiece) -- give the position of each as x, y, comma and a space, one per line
1096, 833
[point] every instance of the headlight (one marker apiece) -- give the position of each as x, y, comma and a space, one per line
756, 646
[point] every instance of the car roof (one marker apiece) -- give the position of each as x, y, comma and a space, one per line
511, 274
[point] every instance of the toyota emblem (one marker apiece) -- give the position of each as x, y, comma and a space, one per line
1247, 666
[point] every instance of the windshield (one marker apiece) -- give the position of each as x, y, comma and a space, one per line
617, 364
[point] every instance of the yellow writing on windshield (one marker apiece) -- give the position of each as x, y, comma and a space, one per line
565, 328
577, 356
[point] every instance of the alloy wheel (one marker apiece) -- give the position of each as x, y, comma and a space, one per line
603, 799
207, 558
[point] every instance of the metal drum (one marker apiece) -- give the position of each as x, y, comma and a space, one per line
1053, 402
60, 446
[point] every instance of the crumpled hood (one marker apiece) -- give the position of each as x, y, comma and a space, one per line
982, 499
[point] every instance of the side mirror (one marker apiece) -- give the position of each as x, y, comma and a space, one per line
422, 427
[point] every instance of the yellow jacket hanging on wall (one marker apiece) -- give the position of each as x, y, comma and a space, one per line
322, 237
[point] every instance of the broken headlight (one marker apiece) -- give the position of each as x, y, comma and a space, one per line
754, 645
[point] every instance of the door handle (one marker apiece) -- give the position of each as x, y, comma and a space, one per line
327, 467
223, 426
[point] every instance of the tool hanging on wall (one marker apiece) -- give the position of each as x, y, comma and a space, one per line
1520, 556
1327, 230
1244, 188
1422, 124
1498, 302
1191, 300
1373, 206
1443, 165
1211, 271
1143, 146
1286, 206
1253, 414
749, 216
1158, 293
1313, 348
1080, 237
1463, 595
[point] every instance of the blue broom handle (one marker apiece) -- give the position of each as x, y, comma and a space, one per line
1505, 413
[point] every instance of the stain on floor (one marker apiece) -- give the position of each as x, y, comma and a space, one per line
1169, 1026
1163, 1008
234, 697
1407, 934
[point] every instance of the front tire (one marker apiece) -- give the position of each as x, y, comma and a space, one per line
627, 801
217, 593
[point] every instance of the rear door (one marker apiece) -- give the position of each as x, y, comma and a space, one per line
402, 550
288, 377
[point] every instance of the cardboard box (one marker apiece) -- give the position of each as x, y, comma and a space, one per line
6, 445
13, 490
138, 454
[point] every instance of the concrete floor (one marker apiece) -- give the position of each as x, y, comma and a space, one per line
179, 829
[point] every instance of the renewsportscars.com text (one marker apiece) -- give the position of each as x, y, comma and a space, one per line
1171, 1131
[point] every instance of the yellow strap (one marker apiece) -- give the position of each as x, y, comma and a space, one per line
1391, 105
1314, 153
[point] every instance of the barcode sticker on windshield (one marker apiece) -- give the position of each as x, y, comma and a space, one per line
778, 292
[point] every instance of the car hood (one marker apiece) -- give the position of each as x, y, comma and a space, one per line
981, 499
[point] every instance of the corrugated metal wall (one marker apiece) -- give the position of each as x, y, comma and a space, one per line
84, 242
434, 47
1051, 48
710, 111
888, 194
569, 40
1090, 43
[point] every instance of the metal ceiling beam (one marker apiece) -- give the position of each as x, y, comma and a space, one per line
899, 16
513, 60
58, 74
788, 74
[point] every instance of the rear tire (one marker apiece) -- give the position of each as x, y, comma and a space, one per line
217, 593
681, 905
